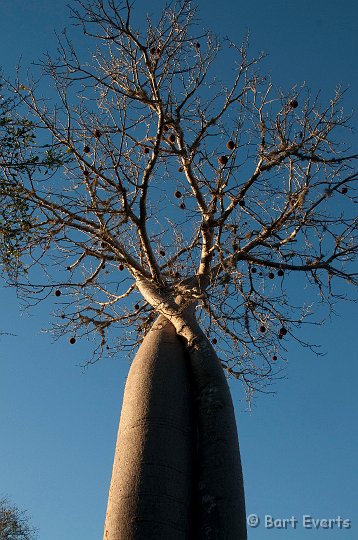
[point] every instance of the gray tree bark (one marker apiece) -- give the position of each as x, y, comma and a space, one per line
177, 470
151, 491
220, 503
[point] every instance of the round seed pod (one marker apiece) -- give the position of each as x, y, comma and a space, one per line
223, 160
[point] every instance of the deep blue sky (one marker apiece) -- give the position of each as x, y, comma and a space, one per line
58, 425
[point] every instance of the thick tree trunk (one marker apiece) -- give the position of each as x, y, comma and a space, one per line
153, 473
217, 496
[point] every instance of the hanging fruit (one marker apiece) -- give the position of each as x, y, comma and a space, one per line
72, 340
97, 133
293, 103
58, 293
86, 149
230, 145
262, 329
223, 160
177, 194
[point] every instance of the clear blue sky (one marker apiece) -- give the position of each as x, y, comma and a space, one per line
58, 424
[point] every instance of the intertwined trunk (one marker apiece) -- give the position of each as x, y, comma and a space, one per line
177, 471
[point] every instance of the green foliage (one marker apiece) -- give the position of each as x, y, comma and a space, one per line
16, 135
21, 155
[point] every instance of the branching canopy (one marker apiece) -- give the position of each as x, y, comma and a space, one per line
141, 163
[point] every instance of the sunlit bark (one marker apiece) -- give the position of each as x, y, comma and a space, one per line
151, 492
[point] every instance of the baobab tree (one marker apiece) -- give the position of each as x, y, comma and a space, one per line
177, 209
